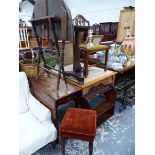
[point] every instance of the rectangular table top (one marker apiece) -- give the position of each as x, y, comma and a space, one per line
49, 86
95, 75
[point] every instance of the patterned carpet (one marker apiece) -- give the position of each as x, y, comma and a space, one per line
116, 136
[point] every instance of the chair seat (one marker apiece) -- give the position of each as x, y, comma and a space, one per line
79, 124
94, 48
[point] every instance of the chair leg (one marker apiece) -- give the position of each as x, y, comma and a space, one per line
106, 60
90, 147
63, 145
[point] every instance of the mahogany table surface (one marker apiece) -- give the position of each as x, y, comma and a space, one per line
49, 86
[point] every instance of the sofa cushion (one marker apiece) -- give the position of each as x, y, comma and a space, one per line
38, 109
23, 92
34, 134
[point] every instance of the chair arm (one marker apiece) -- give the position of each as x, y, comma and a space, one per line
38, 109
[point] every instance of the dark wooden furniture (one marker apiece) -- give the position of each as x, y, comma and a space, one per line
108, 29
114, 27
125, 85
80, 25
78, 29
59, 9
102, 85
62, 24
77, 72
44, 89
79, 21
96, 29
125, 90
109, 37
106, 108
105, 28
78, 124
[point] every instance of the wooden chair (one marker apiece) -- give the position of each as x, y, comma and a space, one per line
86, 51
79, 20
23, 39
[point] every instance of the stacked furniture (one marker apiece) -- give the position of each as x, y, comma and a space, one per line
82, 25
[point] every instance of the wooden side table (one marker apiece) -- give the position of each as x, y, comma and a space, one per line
97, 84
45, 90
75, 125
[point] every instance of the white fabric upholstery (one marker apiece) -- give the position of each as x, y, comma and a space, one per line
23, 93
34, 134
36, 127
38, 110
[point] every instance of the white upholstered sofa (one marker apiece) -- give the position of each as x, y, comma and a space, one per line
36, 127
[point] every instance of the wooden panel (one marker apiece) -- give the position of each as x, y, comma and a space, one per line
127, 19
105, 28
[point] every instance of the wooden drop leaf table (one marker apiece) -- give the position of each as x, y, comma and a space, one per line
45, 90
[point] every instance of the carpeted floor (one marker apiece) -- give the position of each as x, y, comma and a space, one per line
116, 136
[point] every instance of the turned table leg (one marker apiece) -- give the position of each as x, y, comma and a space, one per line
86, 63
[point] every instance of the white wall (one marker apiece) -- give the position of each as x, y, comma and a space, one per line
97, 11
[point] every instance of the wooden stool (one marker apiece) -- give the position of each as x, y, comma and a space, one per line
78, 124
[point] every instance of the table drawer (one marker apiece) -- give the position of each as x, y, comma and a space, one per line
109, 80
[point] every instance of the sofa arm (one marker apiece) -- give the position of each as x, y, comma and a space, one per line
38, 109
